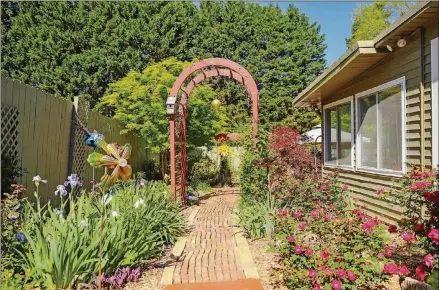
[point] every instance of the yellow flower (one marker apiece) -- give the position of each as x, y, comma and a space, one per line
224, 150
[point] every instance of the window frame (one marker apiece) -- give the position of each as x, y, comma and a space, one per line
350, 100
401, 82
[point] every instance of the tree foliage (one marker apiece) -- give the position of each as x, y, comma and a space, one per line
137, 100
79, 48
75, 48
371, 19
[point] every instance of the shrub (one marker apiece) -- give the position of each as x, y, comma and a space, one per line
62, 246
293, 162
204, 170
323, 250
151, 170
420, 200
11, 210
11, 172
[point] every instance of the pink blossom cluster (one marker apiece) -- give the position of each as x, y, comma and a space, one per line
282, 212
392, 268
336, 283
369, 224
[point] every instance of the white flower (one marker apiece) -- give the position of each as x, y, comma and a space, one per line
83, 223
114, 213
138, 203
107, 198
37, 179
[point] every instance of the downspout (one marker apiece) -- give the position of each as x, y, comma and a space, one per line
422, 105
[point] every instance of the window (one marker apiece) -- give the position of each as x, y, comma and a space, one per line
338, 137
381, 128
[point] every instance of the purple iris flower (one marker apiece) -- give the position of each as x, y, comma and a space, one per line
61, 189
20, 237
13, 217
73, 181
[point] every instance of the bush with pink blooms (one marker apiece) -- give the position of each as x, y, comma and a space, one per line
332, 244
420, 229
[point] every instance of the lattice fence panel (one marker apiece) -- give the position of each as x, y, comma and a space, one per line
79, 147
9, 131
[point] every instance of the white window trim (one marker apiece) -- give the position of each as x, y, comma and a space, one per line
435, 101
328, 106
388, 172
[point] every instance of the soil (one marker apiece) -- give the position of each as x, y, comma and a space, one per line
267, 262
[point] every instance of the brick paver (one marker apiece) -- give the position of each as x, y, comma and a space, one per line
209, 255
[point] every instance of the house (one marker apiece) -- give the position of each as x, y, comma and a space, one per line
384, 94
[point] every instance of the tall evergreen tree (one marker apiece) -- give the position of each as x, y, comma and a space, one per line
79, 48
284, 52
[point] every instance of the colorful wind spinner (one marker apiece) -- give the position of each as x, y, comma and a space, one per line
115, 159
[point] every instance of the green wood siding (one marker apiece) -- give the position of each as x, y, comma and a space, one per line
402, 62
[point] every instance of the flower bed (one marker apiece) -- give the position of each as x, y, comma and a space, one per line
61, 248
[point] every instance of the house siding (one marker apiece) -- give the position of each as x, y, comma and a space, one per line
405, 62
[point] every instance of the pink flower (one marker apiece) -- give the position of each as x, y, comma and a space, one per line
345, 187
403, 270
369, 224
387, 252
428, 259
341, 273
390, 268
291, 239
379, 191
339, 258
298, 250
308, 252
301, 227
421, 185
351, 276
392, 229
433, 234
325, 256
420, 272
380, 255
408, 237
282, 212
312, 273
315, 214
297, 214
327, 218
317, 287
336, 284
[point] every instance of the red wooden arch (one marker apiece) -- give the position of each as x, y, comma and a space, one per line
185, 83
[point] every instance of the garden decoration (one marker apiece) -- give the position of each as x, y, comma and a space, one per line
177, 106
216, 104
115, 159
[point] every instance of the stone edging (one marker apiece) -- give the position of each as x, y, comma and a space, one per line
242, 252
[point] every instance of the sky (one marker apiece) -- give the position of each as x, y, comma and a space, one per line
335, 19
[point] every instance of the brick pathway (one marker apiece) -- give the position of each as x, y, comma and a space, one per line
213, 252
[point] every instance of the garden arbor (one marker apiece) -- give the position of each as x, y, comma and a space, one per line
177, 108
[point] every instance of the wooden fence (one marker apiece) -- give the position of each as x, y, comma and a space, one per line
38, 130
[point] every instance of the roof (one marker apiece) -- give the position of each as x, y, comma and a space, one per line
365, 54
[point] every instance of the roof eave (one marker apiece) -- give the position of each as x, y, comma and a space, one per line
361, 47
